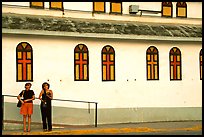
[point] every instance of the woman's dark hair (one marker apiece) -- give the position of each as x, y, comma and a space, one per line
45, 83
28, 84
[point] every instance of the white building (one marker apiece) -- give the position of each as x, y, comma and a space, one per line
140, 63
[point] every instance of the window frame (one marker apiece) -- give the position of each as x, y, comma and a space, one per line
152, 53
81, 51
24, 71
175, 55
102, 63
38, 7
121, 6
184, 5
52, 8
99, 11
170, 5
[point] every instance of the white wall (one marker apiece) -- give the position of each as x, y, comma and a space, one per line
17, 3
194, 9
53, 59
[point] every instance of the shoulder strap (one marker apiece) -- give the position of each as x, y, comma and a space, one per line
23, 92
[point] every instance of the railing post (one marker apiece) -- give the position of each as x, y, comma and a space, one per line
2, 111
96, 116
89, 107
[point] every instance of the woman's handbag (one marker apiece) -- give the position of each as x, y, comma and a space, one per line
44, 104
19, 104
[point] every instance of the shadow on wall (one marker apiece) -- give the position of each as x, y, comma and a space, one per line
81, 116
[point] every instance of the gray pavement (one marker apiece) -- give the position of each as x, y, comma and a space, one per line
150, 128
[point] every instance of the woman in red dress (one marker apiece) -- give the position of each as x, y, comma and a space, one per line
27, 105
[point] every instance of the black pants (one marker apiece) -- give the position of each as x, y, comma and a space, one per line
46, 116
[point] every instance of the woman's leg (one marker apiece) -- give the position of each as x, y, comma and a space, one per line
30, 112
43, 114
29, 122
49, 118
24, 123
23, 111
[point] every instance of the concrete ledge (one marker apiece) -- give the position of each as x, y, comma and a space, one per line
187, 127
97, 35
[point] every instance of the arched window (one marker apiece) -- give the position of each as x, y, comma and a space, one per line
24, 62
116, 7
108, 63
175, 64
37, 5
181, 9
98, 6
152, 58
81, 63
56, 5
167, 9
201, 64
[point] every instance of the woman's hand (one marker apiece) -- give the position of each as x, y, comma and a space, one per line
22, 101
49, 96
28, 100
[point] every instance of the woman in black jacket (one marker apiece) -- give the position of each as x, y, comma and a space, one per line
46, 95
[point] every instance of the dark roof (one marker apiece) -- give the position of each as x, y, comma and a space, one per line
47, 23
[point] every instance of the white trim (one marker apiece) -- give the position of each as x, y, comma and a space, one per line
99, 35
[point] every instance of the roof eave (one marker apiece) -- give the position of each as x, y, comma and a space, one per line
99, 35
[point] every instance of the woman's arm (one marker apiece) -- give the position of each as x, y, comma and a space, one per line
33, 98
51, 95
19, 98
40, 95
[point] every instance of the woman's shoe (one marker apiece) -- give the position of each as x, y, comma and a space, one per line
44, 130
